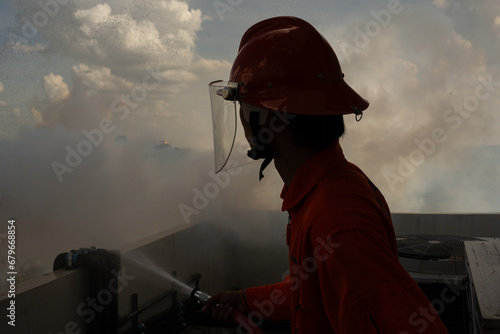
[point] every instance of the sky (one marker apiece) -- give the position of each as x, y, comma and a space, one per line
90, 89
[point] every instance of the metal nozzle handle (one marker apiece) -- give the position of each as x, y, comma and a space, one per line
199, 295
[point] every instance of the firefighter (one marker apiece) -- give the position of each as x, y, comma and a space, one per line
345, 276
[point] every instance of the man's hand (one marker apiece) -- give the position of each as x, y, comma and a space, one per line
222, 305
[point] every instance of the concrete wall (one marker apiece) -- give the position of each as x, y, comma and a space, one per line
48, 304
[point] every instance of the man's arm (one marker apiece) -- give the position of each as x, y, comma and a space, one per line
270, 302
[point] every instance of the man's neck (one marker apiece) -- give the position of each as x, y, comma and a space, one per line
288, 162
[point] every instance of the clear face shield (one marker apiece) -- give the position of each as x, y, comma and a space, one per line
230, 149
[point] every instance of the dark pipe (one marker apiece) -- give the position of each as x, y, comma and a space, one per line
174, 296
135, 306
101, 266
138, 310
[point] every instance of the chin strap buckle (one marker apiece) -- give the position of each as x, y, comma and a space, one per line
359, 113
265, 163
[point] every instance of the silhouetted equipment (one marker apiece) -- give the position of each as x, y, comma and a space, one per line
102, 267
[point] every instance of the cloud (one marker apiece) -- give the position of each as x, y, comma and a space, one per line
179, 75
2, 103
37, 116
26, 48
75, 108
113, 44
205, 66
126, 36
473, 20
55, 87
441, 3
100, 78
105, 34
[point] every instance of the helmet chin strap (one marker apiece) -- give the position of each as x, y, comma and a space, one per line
259, 150
265, 163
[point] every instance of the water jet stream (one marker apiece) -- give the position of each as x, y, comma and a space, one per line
152, 267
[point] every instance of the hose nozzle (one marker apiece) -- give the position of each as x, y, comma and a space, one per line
200, 296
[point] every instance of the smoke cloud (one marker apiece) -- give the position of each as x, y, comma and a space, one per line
93, 166
434, 89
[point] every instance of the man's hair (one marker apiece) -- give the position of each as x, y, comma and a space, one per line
317, 132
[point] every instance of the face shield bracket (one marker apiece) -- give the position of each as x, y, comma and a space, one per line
230, 92
224, 97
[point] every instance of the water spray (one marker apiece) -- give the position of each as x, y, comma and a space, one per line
196, 294
237, 317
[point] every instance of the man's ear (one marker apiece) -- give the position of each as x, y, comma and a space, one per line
264, 116
276, 121
246, 109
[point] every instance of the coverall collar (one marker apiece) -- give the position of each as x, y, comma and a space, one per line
309, 174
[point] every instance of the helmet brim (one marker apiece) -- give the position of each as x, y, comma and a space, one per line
339, 99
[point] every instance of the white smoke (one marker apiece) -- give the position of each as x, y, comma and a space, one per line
91, 169
434, 89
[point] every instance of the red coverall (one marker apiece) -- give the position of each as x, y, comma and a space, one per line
345, 276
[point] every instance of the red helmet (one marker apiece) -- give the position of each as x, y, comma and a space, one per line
285, 64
